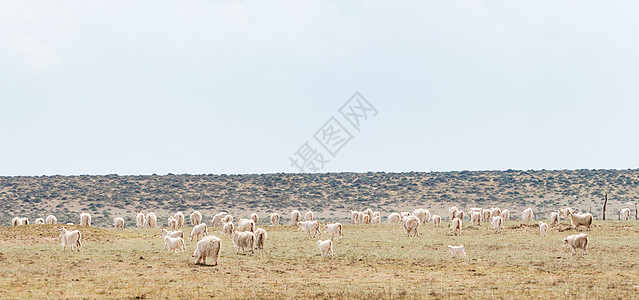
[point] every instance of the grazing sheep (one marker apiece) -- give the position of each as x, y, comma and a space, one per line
243, 239
260, 238
577, 241
495, 211
140, 220
376, 220
85, 219
16, 221
310, 227
411, 225
452, 212
151, 220
198, 230
275, 219
460, 214
422, 214
308, 216
498, 224
217, 219
354, 215
554, 218
70, 238
486, 215
454, 250
436, 220
296, 216
38, 221
246, 225
173, 223
527, 214
24, 221
209, 246
505, 215
196, 218
456, 226
543, 228
366, 219
326, 247
334, 229
118, 223
475, 218
578, 219
51, 219
173, 234
227, 219
377, 214
624, 214
394, 218
174, 244
255, 218
228, 228
565, 212
179, 216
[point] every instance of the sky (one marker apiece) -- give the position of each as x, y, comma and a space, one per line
236, 87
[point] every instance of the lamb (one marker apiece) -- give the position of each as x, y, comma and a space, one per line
354, 215
543, 228
578, 219
151, 220
624, 214
173, 223
394, 218
173, 234
454, 250
376, 220
70, 238
326, 247
260, 238
198, 230
174, 244
527, 214
436, 220
334, 229
209, 246
411, 225
456, 226
85, 219
227, 219
246, 225
179, 216
118, 223
275, 219
24, 221
296, 216
505, 215
422, 214
243, 239
498, 223
228, 228
217, 219
51, 219
39, 221
554, 218
255, 218
452, 212
577, 241
196, 218
475, 218
308, 216
16, 221
140, 220
310, 227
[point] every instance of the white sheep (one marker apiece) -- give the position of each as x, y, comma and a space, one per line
24, 221
118, 223
378, 214
354, 215
275, 219
196, 218
260, 238
308, 216
452, 212
505, 215
174, 244
422, 214
173, 223
151, 220
296, 216
217, 219
209, 246
255, 218
227, 219
366, 219
325, 247
486, 215
70, 238
310, 227
578, 219
85, 219
454, 250
456, 226
554, 218
173, 234
460, 215
436, 220
38, 221
498, 223
393, 218
16, 221
527, 214
376, 220
198, 230
411, 225
565, 212
495, 211
543, 228
577, 241
140, 219
475, 218
246, 225
243, 239
228, 228
624, 214
404, 214
179, 216
334, 229
51, 219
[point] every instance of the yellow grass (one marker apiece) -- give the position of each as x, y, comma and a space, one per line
371, 261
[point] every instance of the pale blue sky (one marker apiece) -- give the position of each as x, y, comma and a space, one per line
142, 87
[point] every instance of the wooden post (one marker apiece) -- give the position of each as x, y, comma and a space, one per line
590, 210
636, 213
604, 208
